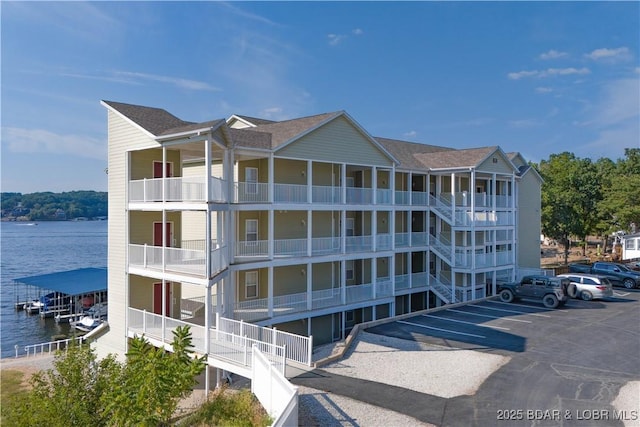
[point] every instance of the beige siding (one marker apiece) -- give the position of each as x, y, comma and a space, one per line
529, 228
263, 224
142, 162
291, 279
290, 225
290, 171
337, 141
322, 221
325, 275
326, 174
142, 228
122, 136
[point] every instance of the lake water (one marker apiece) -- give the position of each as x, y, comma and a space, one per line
29, 250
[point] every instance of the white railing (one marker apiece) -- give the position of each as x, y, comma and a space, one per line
290, 247
325, 245
356, 293
402, 240
403, 197
326, 298
420, 198
384, 287
298, 348
383, 196
504, 257
251, 192
383, 242
175, 259
402, 281
219, 259
48, 347
232, 340
443, 287
326, 194
289, 193
177, 189
419, 280
359, 243
252, 248
419, 238
443, 246
359, 196
276, 394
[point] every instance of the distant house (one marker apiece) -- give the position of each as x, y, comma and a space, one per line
631, 246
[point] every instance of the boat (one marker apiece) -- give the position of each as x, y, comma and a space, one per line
86, 324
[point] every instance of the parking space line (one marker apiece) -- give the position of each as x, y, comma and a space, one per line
490, 317
468, 323
621, 294
513, 311
439, 329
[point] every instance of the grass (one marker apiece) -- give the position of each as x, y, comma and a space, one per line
11, 384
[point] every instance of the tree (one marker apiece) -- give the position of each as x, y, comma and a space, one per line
68, 395
153, 381
80, 391
570, 194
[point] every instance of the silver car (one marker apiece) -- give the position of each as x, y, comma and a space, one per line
588, 286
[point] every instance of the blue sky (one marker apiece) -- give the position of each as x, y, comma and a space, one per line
534, 77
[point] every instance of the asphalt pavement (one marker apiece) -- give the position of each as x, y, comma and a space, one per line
566, 365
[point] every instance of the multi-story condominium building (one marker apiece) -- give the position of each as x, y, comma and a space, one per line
308, 225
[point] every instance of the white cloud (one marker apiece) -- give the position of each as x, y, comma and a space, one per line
524, 123
335, 39
135, 78
549, 72
410, 134
19, 140
543, 89
615, 117
175, 81
552, 54
618, 54
273, 113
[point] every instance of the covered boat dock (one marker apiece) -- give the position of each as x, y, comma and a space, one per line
64, 293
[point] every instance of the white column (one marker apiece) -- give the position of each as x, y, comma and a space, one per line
374, 185
309, 181
270, 179
310, 286
269, 290
270, 232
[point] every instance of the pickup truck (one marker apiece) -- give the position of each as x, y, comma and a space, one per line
551, 290
618, 274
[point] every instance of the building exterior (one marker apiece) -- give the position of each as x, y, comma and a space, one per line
308, 225
630, 246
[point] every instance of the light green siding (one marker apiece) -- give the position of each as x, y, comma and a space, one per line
290, 171
499, 165
142, 162
337, 141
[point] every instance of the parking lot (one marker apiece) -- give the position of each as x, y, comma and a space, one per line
566, 366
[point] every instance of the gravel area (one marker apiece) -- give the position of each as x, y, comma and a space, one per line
628, 400
449, 373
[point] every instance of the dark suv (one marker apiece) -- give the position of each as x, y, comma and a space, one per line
551, 290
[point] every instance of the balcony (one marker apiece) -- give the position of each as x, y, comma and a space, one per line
258, 309
177, 260
177, 189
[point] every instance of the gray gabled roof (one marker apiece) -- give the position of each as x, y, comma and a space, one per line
284, 131
406, 151
192, 127
254, 120
153, 120
451, 159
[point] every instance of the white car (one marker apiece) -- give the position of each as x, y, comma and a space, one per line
588, 286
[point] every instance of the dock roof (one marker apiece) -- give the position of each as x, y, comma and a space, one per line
72, 282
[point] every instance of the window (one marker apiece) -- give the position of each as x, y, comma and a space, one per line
349, 267
251, 179
350, 226
630, 244
349, 316
251, 284
251, 231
